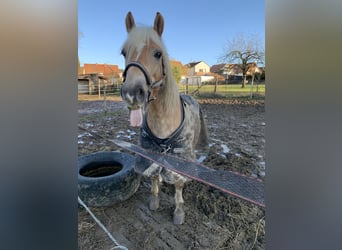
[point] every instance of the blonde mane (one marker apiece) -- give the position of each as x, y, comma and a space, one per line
138, 38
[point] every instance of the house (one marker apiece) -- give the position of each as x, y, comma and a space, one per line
106, 70
93, 77
197, 73
218, 69
232, 73
91, 83
198, 68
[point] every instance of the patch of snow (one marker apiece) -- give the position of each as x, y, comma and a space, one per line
201, 159
262, 173
263, 123
83, 134
222, 155
225, 148
210, 145
80, 142
237, 154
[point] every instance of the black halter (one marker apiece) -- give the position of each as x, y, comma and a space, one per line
151, 85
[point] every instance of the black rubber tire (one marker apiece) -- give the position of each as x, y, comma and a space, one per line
109, 189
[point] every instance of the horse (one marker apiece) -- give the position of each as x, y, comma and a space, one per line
169, 122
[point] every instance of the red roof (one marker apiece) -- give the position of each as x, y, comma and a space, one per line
105, 69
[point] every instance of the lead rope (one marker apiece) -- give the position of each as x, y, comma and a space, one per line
118, 246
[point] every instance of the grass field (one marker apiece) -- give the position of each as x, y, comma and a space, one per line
225, 90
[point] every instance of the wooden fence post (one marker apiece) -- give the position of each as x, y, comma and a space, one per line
252, 85
99, 88
215, 88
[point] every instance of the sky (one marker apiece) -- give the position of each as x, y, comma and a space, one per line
193, 30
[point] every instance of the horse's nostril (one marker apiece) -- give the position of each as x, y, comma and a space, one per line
140, 92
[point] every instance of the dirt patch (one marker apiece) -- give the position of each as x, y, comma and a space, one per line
214, 220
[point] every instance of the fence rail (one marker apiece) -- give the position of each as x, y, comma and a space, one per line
203, 89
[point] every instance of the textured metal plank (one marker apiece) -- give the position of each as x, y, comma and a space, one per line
238, 185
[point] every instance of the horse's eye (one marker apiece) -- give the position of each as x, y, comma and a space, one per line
123, 53
158, 55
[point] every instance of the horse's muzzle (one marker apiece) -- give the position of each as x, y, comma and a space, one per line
134, 94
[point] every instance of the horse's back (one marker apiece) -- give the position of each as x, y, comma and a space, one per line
201, 134
190, 100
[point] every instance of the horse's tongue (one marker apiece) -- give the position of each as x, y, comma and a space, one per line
135, 117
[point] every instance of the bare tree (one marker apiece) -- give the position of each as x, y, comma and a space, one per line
244, 53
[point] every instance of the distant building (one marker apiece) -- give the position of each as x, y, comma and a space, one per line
198, 68
232, 73
107, 70
198, 73
93, 77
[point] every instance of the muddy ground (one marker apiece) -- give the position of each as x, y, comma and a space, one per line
214, 220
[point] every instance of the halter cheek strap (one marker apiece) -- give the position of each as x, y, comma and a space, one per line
149, 82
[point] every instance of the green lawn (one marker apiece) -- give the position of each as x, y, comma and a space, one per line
226, 90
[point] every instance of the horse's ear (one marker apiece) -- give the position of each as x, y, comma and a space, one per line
130, 24
159, 24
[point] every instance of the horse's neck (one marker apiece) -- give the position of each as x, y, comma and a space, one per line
163, 122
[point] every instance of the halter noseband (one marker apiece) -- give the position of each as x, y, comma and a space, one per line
151, 85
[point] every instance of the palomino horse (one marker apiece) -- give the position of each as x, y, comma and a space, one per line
170, 123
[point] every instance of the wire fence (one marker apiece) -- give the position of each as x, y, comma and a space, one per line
225, 90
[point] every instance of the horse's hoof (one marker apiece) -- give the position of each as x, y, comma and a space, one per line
178, 217
154, 203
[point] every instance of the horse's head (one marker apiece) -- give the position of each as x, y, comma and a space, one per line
144, 74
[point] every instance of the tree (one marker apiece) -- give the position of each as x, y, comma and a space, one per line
244, 53
176, 71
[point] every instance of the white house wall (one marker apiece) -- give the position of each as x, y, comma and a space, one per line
207, 78
196, 80
202, 67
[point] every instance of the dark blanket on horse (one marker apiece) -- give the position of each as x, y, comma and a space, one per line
167, 145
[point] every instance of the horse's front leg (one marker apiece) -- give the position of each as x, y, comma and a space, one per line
154, 201
178, 216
